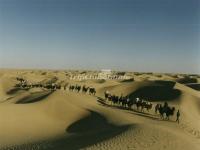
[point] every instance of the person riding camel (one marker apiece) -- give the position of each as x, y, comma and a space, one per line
127, 99
106, 93
165, 104
137, 100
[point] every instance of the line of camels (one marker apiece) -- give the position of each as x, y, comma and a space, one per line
53, 86
165, 110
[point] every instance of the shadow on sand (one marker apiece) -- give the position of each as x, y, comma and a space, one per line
35, 97
88, 131
85, 132
157, 93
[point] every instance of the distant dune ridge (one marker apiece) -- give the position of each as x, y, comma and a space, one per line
43, 119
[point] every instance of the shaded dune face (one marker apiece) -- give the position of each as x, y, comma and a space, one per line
161, 90
195, 86
186, 80
83, 133
96, 120
7, 88
91, 130
35, 97
156, 93
13, 90
128, 80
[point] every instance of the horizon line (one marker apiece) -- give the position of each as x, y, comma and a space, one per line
114, 70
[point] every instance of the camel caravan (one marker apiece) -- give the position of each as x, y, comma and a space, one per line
126, 102
83, 89
55, 86
26, 85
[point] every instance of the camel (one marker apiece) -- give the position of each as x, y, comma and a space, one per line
77, 88
92, 91
106, 94
84, 89
168, 111
71, 87
143, 104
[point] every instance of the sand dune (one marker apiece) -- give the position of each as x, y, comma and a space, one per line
40, 119
7, 88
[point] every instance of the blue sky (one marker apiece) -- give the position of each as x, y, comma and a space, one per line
134, 35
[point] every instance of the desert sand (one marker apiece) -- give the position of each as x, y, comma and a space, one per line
37, 118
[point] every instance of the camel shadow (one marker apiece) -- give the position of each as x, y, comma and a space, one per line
149, 116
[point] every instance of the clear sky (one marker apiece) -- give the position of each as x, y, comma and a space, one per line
134, 35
